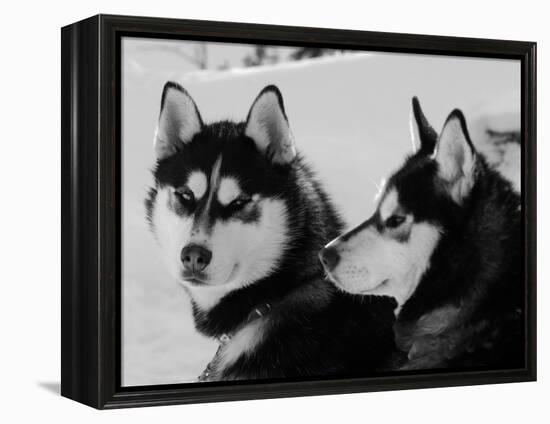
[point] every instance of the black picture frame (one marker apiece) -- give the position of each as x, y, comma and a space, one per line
91, 175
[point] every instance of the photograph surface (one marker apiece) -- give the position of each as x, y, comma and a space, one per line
303, 213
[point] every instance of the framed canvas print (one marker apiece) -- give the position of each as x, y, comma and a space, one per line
254, 211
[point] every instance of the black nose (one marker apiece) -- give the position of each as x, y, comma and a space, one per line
329, 258
195, 258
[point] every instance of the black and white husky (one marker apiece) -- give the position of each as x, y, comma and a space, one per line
240, 219
445, 242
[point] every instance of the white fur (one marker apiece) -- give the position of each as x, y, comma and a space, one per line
229, 190
197, 184
372, 263
389, 205
245, 340
242, 253
267, 126
179, 121
456, 159
206, 297
171, 231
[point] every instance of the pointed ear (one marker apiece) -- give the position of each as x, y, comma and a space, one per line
423, 135
455, 155
267, 125
179, 121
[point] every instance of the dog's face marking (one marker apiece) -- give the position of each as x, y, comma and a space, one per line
394, 222
198, 184
214, 182
217, 210
246, 240
386, 255
390, 252
229, 191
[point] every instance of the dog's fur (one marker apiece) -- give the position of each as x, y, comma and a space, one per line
445, 242
243, 193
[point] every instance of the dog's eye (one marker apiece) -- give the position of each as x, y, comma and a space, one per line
239, 203
185, 196
394, 221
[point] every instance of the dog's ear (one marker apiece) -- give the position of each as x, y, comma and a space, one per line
423, 135
267, 125
179, 121
456, 156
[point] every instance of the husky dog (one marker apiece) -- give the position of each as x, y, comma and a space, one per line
445, 242
240, 219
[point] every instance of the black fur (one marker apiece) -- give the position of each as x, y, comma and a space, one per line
317, 331
468, 309
312, 329
428, 136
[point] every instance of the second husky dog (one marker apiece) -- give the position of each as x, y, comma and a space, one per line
240, 219
445, 242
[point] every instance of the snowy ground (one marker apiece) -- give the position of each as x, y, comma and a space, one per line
349, 115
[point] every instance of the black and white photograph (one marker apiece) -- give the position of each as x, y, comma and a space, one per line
292, 213
275, 213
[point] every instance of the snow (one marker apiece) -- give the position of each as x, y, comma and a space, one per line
349, 115
498, 116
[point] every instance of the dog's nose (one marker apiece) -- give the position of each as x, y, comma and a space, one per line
329, 258
195, 258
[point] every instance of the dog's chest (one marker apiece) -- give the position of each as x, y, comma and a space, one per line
233, 348
424, 334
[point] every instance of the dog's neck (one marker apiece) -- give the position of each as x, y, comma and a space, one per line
207, 297
486, 261
226, 309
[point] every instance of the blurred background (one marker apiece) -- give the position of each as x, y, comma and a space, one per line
349, 112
